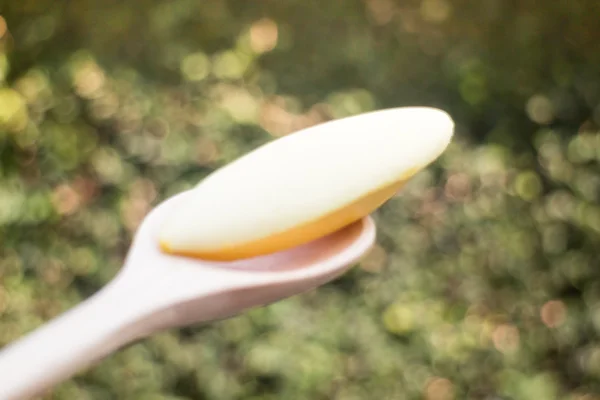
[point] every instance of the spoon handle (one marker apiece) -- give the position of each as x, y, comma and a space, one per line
70, 342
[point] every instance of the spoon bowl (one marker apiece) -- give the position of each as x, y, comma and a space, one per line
193, 290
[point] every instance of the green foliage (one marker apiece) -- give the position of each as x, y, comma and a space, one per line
485, 282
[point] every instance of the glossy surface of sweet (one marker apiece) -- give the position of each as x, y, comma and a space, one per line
306, 185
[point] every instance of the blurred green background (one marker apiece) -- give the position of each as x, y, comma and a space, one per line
485, 283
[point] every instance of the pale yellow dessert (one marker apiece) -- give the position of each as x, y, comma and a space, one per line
305, 185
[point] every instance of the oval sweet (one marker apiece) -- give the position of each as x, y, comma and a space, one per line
306, 185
